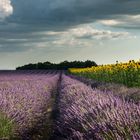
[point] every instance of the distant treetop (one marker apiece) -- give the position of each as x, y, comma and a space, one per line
60, 66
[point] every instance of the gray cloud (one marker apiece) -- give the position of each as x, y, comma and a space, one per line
16, 47
37, 15
88, 32
82, 35
23, 26
70, 12
128, 21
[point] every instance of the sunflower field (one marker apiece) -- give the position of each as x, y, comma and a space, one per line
123, 73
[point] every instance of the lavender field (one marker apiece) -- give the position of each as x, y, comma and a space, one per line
50, 105
25, 100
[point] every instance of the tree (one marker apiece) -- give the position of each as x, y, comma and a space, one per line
61, 66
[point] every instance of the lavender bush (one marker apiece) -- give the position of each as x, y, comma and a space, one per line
24, 99
81, 112
129, 94
87, 114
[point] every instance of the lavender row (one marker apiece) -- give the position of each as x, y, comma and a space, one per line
129, 94
87, 114
25, 98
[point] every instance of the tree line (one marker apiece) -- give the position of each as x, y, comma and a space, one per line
60, 66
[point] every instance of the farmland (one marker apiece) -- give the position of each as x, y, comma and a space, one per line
55, 105
25, 100
122, 73
65, 72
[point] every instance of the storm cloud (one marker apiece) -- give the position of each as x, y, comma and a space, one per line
39, 15
70, 12
28, 24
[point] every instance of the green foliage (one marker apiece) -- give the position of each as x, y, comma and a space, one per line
6, 127
61, 66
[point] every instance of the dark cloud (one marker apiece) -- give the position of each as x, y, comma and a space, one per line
70, 12
30, 17
56, 15
16, 47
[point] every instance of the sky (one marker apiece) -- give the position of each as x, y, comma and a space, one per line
104, 31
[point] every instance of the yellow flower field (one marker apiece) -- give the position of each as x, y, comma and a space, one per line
124, 73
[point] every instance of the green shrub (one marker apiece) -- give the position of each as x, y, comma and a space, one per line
6, 127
